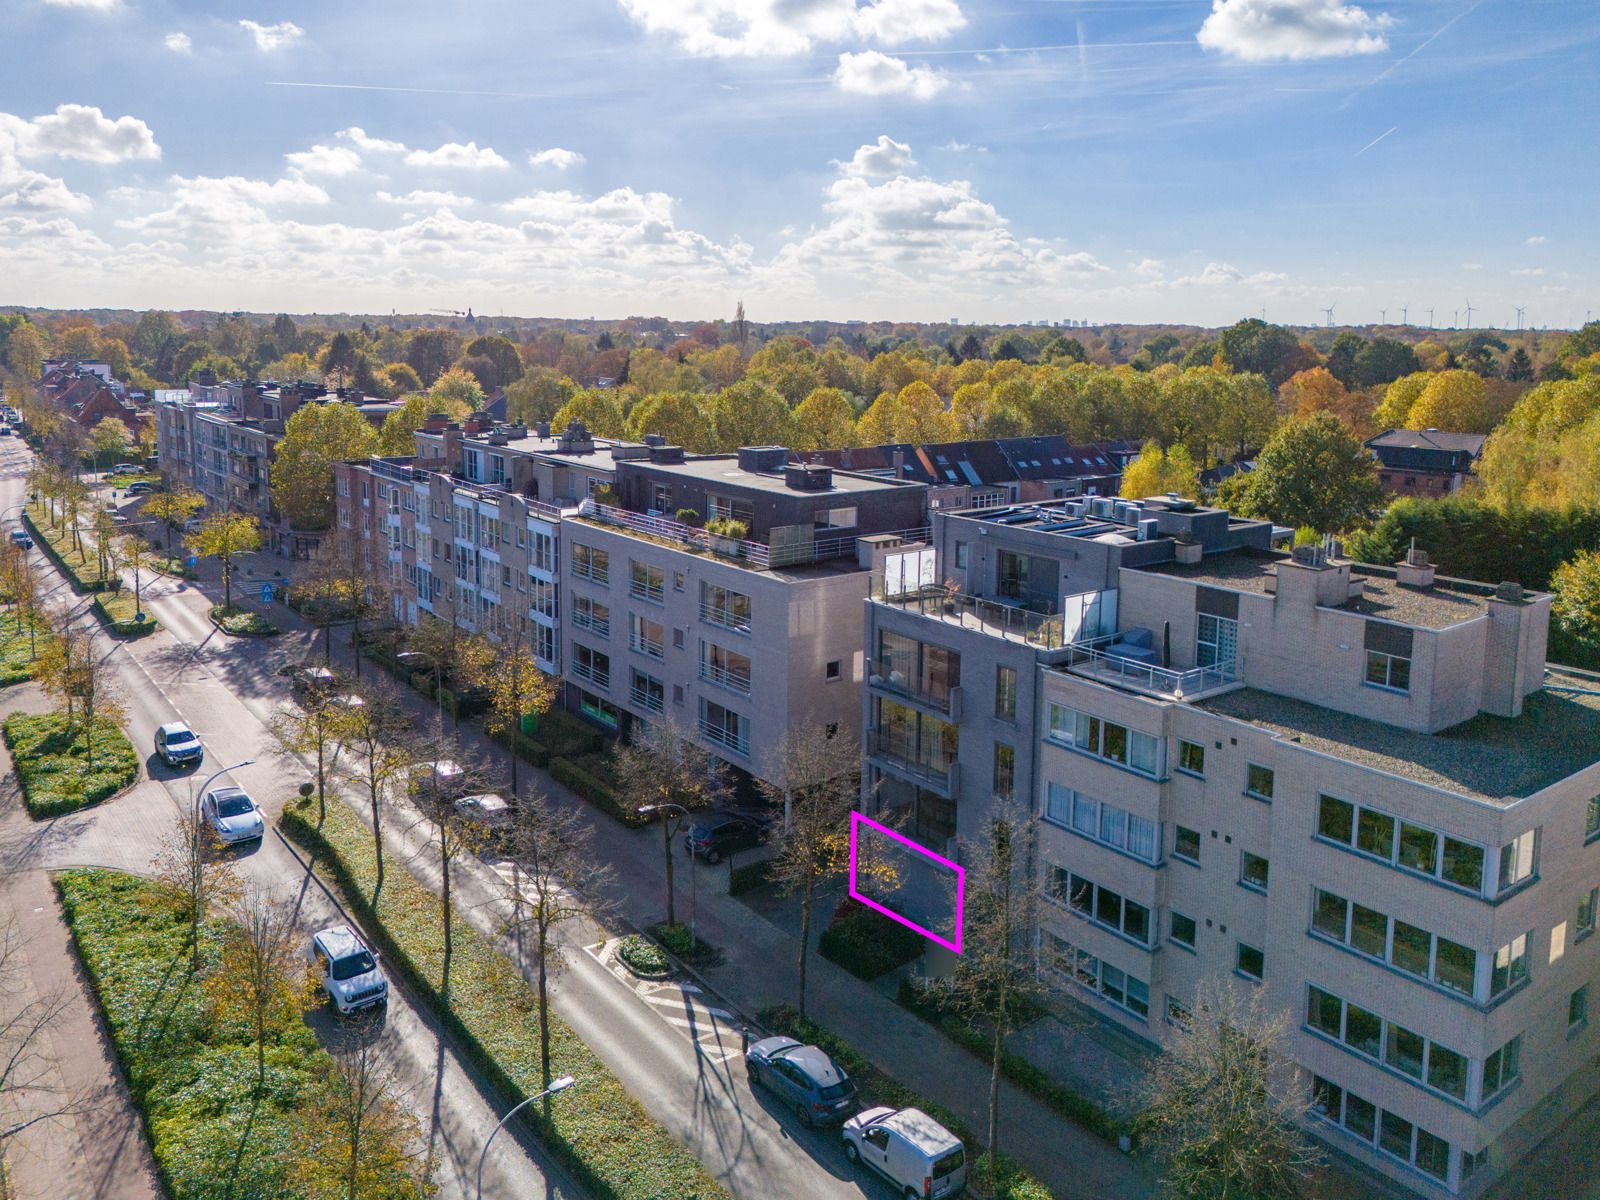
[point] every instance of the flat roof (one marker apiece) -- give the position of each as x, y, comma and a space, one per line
1497, 759
722, 469
534, 445
1447, 602
794, 572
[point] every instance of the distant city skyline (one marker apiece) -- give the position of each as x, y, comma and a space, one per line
1172, 161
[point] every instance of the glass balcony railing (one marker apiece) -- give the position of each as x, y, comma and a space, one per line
730, 678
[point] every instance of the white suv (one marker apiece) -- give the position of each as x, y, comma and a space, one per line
348, 971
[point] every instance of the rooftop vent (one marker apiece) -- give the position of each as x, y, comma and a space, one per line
666, 454
762, 458
1511, 592
802, 478
655, 439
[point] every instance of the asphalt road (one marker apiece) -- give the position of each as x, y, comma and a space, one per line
671, 1047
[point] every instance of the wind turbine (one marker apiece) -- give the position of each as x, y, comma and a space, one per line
1455, 319
1521, 309
1404, 309
1383, 316
1469, 314
1430, 318
1329, 312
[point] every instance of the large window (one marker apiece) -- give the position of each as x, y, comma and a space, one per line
590, 562
1403, 844
589, 663
1424, 1061
1250, 961
916, 740
646, 636
1413, 950
647, 693
724, 727
1394, 1135
1253, 871
1502, 1068
1088, 972
1103, 739
1005, 693
1389, 671
915, 668
725, 607
543, 557
1104, 823
1102, 905
1517, 860
646, 582
1510, 965
930, 819
724, 667
591, 614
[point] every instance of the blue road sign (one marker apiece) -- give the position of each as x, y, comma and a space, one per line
191, 561
266, 593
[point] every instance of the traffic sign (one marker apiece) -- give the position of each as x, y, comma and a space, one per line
266, 593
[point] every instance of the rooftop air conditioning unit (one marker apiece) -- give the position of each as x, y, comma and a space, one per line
1147, 529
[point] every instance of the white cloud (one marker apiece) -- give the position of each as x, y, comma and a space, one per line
367, 144
1472, 266
178, 43
1537, 239
727, 28
873, 73
883, 157
77, 131
325, 160
455, 156
1215, 274
93, 5
24, 190
426, 200
555, 157
1528, 272
273, 37
1265, 30
1150, 268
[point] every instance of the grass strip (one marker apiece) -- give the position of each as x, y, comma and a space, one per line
601, 1134
241, 622
19, 649
81, 567
52, 761
117, 610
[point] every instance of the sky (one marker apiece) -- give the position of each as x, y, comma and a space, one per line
1188, 161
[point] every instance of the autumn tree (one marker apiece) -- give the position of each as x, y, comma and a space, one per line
25, 352
453, 654
260, 976
372, 739
680, 417
130, 552
1453, 401
1576, 599
824, 420
749, 414
453, 832
198, 874
1224, 1106
662, 765
316, 437
315, 727
456, 392
70, 670
174, 508
396, 439
556, 877
601, 412
224, 536
430, 351
109, 440
31, 1019
517, 689
1394, 411
1314, 472
538, 395
1158, 471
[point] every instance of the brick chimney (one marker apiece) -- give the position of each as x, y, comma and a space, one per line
1414, 570
436, 423
478, 422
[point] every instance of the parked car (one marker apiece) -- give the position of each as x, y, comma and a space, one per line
125, 469
303, 680
5, 431
413, 661
909, 1149
140, 487
804, 1077
21, 537
233, 816
178, 746
192, 525
443, 778
490, 811
348, 971
713, 836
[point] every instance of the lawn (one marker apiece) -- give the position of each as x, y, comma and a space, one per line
241, 622
81, 565
16, 652
52, 762
117, 610
602, 1133
192, 1076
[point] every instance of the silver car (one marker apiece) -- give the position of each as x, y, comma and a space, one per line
233, 816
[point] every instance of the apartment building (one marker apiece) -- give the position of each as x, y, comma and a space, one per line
1360, 789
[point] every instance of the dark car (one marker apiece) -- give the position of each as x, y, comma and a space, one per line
804, 1077
140, 487
713, 836
21, 537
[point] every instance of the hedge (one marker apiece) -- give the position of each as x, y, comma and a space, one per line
192, 1077
51, 762
596, 791
523, 746
241, 622
58, 548
643, 956
1069, 1103
566, 736
116, 612
1012, 1182
749, 877
600, 1133
866, 942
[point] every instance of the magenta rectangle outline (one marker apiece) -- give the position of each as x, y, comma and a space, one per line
856, 821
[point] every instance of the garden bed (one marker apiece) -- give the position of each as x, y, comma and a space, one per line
82, 569
643, 957
18, 649
116, 611
52, 764
600, 1133
241, 622
866, 942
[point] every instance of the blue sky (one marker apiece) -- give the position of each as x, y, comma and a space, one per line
990, 160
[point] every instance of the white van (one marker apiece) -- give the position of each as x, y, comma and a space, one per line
909, 1149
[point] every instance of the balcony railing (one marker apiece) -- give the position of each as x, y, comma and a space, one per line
938, 770
1084, 617
652, 647
885, 676
594, 675
725, 618
650, 701
599, 626
1095, 660
737, 681
728, 739
643, 589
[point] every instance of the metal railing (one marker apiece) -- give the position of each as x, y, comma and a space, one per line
1045, 630
592, 674
646, 699
724, 618
641, 589
1092, 658
653, 647
727, 739
599, 626
398, 472
737, 681
887, 675
940, 772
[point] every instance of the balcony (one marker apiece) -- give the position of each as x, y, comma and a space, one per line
886, 677
648, 646
642, 589
1084, 616
648, 700
1103, 660
599, 626
725, 618
734, 681
939, 771
729, 739
600, 677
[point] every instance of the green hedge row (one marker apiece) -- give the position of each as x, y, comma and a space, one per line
523, 746
600, 1133
57, 547
595, 790
52, 762
18, 652
1010, 1182
1069, 1103
110, 607
749, 877
866, 943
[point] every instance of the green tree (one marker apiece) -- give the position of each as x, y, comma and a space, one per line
430, 351
1315, 472
1255, 346
824, 420
1455, 401
110, 441
538, 395
749, 414
224, 537
1342, 356
1519, 367
502, 353
316, 437
173, 508
1157, 471
1383, 360
395, 439
1575, 604
600, 411
1582, 343
456, 391
680, 417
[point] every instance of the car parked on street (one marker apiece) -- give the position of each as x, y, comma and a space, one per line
443, 779
713, 836
21, 537
348, 971
803, 1077
909, 1149
233, 816
178, 746
140, 487
304, 680
491, 811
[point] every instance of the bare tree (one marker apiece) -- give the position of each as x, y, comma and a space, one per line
315, 726
133, 553
261, 975
71, 670
372, 737
190, 862
453, 654
557, 878
662, 767
1225, 1106
446, 773
996, 978
360, 1141
28, 1079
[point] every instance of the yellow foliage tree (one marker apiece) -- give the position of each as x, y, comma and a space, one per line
1156, 472
1394, 411
824, 420
1453, 401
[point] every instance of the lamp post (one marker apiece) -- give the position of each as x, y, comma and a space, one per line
694, 889
559, 1085
194, 807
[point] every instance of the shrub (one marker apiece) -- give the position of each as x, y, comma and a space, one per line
523, 746
728, 527
82, 570
600, 1133
749, 877
241, 622
52, 762
117, 610
565, 736
595, 791
17, 651
866, 943
689, 516
643, 955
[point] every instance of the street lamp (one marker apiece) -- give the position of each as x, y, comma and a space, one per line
694, 888
559, 1085
194, 807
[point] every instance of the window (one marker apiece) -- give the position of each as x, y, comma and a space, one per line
831, 671
919, 742
1115, 743
1005, 772
724, 667
1406, 947
1177, 1012
591, 563
1502, 1068
678, 581
1250, 962
1411, 948
591, 664
1258, 782
1388, 671
1427, 1062
1253, 870
1419, 848
1005, 693
1591, 819
1192, 758
1102, 822
1186, 844
1088, 972
645, 636
834, 518
1516, 860
1415, 849
646, 582
725, 607
1375, 834
724, 727
591, 615
1184, 930
1578, 1007
1102, 905
1510, 965
1584, 925
542, 597
647, 693
544, 552
1336, 819
961, 556
1058, 804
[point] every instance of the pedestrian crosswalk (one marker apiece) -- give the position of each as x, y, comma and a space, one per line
716, 1032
